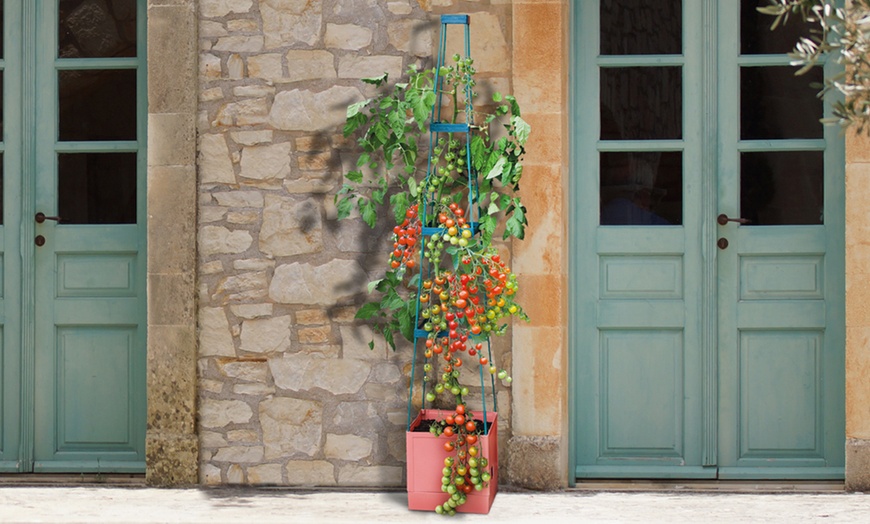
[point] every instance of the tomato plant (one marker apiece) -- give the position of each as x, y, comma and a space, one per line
444, 277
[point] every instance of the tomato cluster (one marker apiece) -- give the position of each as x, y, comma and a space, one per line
405, 246
467, 470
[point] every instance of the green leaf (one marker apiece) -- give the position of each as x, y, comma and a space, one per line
378, 196
368, 310
388, 336
406, 322
515, 225
355, 176
354, 109
412, 187
344, 206
382, 132
377, 80
392, 301
521, 128
515, 107
363, 160
397, 123
374, 284
496, 97
493, 208
487, 227
399, 201
496, 170
478, 152
353, 123
368, 212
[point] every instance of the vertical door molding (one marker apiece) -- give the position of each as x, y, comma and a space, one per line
172, 445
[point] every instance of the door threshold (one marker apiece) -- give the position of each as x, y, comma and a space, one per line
713, 486
72, 479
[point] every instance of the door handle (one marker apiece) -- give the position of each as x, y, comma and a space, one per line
724, 219
40, 218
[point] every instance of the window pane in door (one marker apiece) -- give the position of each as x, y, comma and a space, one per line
641, 189
2, 187
97, 105
756, 36
2, 55
96, 28
774, 103
97, 188
782, 187
641, 103
641, 27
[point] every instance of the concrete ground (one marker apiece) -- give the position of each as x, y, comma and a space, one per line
95, 504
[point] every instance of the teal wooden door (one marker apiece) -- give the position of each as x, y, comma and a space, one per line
74, 219
703, 350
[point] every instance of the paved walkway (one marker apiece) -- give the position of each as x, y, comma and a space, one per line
88, 504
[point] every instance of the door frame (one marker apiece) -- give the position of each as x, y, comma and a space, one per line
583, 140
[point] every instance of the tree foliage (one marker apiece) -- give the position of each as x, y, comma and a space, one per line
843, 34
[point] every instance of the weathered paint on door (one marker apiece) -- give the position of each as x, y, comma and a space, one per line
74, 345
693, 360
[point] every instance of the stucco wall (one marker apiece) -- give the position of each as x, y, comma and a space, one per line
289, 392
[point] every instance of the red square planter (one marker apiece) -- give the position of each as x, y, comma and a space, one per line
426, 460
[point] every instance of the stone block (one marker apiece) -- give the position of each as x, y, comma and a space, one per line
287, 22
304, 110
251, 310
244, 112
266, 66
303, 372
355, 343
356, 475
535, 463
309, 65
251, 138
171, 299
412, 36
311, 317
347, 36
245, 370
351, 66
265, 162
489, 46
315, 335
221, 8
310, 473
325, 284
240, 454
266, 474
239, 44
214, 240
171, 139
347, 447
209, 475
172, 59
290, 227
171, 459
215, 338
255, 390
220, 413
171, 379
214, 162
267, 335
209, 66
235, 474
210, 29
857, 465
290, 427
172, 222
239, 198
243, 217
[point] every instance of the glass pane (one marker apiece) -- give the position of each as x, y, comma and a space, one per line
756, 36
641, 189
2, 86
641, 27
641, 103
96, 28
1, 31
774, 103
97, 105
97, 188
780, 188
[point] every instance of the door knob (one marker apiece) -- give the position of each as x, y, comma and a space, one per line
40, 218
724, 219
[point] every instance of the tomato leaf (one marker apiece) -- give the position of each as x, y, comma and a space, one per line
368, 212
521, 128
399, 201
497, 169
377, 80
344, 206
354, 109
354, 176
374, 284
368, 310
406, 322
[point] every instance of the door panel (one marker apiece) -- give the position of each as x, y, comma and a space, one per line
82, 218
692, 360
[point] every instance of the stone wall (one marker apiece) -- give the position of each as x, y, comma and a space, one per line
289, 392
